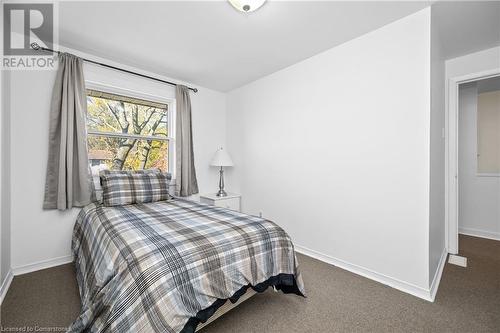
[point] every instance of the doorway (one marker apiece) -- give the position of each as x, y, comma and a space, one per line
473, 149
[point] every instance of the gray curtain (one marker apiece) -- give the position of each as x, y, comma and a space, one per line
68, 182
185, 172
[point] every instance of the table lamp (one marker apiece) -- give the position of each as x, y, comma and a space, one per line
221, 159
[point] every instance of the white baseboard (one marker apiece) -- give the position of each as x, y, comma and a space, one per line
4, 287
41, 265
368, 273
439, 273
479, 233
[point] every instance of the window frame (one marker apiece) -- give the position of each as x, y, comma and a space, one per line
170, 102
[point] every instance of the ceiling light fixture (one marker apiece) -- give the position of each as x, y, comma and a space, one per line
247, 6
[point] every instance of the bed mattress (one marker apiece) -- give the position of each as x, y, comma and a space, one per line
169, 266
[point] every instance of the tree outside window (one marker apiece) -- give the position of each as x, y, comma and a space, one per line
126, 133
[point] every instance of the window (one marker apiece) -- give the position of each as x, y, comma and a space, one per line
488, 133
126, 133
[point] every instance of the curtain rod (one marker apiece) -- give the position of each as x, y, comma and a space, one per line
37, 47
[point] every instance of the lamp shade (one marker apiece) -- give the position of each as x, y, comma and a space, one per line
221, 158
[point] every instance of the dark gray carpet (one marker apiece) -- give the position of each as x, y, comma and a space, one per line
468, 300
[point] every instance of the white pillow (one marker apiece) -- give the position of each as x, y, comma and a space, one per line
96, 169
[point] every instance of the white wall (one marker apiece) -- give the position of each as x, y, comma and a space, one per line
473, 63
482, 61
1, 183
479, 197
437, 152
4, 175
335, 149
39, 235
1, 166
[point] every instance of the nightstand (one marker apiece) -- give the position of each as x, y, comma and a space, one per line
231, 201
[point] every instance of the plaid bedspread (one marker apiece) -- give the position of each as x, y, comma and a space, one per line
163, 266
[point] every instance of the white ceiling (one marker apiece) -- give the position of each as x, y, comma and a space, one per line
467, 26
210, 44
213, 45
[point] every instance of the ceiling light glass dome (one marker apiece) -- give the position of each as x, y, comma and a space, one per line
247, 5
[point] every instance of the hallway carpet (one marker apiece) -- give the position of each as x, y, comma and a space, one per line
468, 300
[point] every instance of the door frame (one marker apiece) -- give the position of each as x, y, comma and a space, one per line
451, 151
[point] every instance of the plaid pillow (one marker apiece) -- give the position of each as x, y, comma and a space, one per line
98, 172
125, 188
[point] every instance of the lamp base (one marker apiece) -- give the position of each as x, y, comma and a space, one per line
221, 193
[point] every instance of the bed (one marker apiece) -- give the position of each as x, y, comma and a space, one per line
175, 265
